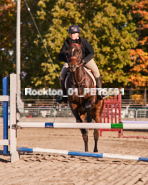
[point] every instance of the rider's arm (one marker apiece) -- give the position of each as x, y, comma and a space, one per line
62, 54
89, 51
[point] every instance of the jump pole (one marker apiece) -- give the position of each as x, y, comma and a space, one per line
135, 122
126, 126
84, 154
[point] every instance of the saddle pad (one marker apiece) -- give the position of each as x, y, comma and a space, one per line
68, 73
91, 75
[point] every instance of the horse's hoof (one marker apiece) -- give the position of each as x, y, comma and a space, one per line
95, 150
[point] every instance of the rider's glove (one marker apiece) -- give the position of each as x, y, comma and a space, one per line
83, 62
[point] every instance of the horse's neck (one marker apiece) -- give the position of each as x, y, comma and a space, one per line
79, 74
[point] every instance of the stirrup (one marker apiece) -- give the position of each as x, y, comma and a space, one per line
103, 93
62, 99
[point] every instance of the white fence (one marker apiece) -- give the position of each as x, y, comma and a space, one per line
132, 113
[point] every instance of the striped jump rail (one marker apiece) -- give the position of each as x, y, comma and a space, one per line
126, 126
135, 122
84, 154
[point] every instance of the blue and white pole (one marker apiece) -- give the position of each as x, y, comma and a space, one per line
125, 126
84, 154
5, 114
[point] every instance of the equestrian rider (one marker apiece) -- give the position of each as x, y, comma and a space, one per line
87, 58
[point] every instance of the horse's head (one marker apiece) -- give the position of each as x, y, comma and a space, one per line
74, 56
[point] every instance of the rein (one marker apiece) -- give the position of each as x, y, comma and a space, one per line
79, 63
76, 44
75, 58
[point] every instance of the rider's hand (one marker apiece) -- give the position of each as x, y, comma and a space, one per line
83, 62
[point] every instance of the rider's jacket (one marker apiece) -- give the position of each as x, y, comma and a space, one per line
87, 49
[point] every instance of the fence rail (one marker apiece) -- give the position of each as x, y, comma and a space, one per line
133, 114
36, 103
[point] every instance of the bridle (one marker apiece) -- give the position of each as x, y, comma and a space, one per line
79, 63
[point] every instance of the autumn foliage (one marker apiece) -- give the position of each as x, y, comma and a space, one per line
117, 30
139, 55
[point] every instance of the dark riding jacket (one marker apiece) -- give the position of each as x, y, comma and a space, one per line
87, 50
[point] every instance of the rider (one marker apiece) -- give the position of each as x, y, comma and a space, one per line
87, 58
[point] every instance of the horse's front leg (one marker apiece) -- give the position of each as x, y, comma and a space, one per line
80, 119
85, 138
84, 134
83, 131
75, 112
96, 137
97, 118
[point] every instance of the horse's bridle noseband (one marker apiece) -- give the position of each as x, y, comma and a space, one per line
75, 58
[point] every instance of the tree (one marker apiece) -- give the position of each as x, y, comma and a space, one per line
7, 42
139, 72
31, 54
108, 25
44, 22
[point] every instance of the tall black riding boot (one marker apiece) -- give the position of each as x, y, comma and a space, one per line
62, 99
99, 85
99, 82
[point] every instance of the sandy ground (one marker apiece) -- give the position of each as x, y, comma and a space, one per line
56, 169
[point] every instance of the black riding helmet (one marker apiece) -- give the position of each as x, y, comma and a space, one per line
74, 29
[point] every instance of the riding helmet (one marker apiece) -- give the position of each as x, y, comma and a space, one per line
74, 29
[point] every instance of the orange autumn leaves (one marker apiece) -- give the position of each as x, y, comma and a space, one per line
139, 56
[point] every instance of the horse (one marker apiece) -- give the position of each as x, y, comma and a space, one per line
83, 106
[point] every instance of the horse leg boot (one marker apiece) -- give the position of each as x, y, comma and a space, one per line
85, 138
96, 137
88, 107
62, 99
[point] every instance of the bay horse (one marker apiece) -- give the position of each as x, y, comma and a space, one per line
89, 106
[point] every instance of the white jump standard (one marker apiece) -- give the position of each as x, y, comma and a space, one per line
12, 142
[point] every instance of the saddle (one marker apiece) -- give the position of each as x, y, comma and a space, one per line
88, 72
91, 75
